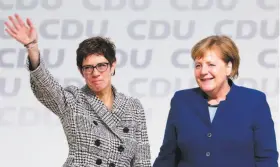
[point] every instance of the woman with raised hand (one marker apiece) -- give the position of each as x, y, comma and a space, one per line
103, 127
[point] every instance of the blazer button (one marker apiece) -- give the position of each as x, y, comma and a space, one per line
95, 123
209, 135
112, 165
208, 154
97, 142
98, 161
120, 148
125, 130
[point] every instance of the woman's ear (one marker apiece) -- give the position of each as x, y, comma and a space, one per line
229, 68
113, 68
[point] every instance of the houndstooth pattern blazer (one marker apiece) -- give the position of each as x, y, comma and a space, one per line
96, 137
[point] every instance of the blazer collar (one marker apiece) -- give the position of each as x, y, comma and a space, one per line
230, 93
109, 118
201, 102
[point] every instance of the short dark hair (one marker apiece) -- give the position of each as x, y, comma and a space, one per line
96, 45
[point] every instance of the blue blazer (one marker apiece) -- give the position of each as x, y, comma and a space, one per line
241, 135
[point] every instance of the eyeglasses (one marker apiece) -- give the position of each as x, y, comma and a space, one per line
101, 67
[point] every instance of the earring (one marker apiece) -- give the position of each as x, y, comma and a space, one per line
113, 73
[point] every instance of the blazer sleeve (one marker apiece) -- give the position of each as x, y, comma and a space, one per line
143, 154
46, 89
266, 153
169, 152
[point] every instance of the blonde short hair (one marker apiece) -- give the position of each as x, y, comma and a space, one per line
228, 48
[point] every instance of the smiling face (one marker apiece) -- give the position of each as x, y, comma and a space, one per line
99, 78
211, 72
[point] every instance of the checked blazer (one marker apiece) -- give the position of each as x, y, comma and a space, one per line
96, 137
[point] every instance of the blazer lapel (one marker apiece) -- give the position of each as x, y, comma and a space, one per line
109, 118
228, 106
200, 106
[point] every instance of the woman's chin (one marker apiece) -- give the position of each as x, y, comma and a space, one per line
207, 88
97, 87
